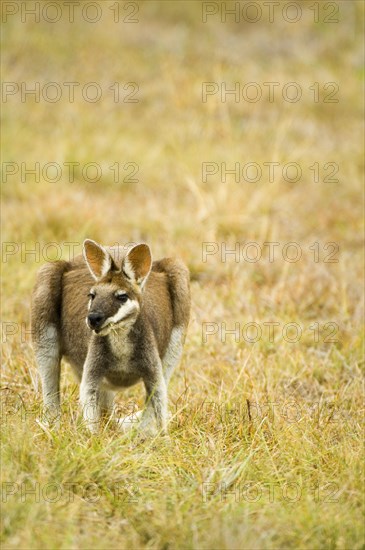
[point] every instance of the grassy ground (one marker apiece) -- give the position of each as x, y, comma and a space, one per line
265, 442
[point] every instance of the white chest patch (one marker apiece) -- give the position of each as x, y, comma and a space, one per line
120, 345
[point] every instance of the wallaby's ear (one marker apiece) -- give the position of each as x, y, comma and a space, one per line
97, 259
137, 263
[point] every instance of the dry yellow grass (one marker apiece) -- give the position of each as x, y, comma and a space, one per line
265, 447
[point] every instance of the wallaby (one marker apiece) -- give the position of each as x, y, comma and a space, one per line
136, 313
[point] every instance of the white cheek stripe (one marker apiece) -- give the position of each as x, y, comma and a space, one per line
123, 311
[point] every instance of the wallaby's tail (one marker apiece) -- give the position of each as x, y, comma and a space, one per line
47, 300
179, 287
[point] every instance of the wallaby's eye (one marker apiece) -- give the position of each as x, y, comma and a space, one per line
91, 295
122, 298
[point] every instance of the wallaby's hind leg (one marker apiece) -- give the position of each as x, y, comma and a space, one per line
173, 353
47, 352
178, 284
45, 319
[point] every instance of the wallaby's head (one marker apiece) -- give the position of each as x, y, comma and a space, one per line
115, 298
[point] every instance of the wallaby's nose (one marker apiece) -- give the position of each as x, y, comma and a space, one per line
95, 319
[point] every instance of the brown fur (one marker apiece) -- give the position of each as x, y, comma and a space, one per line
133, 349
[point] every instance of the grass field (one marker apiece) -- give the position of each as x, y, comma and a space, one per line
266, 441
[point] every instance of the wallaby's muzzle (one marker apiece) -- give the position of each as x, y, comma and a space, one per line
95, 320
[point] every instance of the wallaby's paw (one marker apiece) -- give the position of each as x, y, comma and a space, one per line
93, 428
129, 422
145, 432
